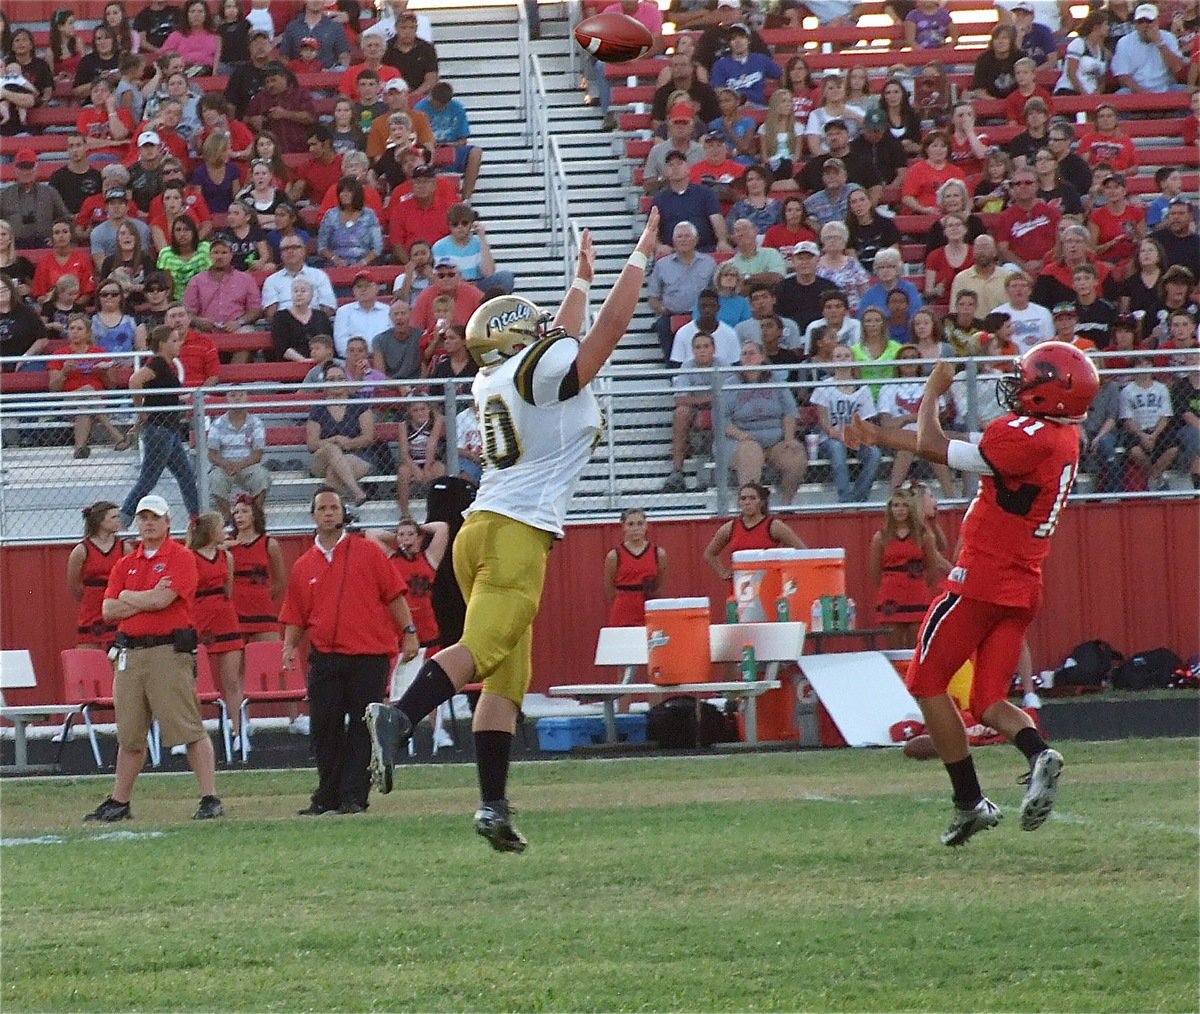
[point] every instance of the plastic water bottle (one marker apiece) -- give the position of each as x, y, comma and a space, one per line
731, 610
816, 623
749, 664
783, 612
851, 614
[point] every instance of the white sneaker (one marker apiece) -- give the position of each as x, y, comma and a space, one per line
1032, 700
442, 740
179, 751
300, 725
983, 816
1043, 786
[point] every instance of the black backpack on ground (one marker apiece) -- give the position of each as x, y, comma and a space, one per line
672, 724
1147, 670
1089, 664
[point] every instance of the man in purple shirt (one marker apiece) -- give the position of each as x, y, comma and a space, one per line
222, 299
287, 111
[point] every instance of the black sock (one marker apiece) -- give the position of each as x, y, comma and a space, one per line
965, 782
431, 688
491, 760
1029, 742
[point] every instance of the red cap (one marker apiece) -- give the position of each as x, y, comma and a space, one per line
308, 40
26, 157
361, 276
682, 111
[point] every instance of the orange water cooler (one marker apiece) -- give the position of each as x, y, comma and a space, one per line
677, 641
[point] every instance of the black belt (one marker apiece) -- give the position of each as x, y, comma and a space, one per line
210, 591
147, 642
630, 587
99, 582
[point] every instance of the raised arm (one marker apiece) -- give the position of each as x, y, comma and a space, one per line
617, 311
574, 305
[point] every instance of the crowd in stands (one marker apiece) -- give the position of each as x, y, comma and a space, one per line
231, 169
790, 204
233, 165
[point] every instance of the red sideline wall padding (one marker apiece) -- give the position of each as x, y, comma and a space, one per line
1122, 572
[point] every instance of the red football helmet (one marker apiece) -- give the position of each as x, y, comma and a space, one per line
1052, 379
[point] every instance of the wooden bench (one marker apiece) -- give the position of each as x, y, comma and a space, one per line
625, 647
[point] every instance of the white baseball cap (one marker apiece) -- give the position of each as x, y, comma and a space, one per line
396, 84
154, 504
148, 137
1145, 12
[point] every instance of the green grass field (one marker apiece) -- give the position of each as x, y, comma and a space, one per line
808, 881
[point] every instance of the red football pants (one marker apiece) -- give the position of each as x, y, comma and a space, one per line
956, 629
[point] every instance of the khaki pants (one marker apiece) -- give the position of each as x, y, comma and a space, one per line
157, 683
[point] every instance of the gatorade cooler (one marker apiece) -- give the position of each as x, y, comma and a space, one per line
755, 585
807, 574
677, 641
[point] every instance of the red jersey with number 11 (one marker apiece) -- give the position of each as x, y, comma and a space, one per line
1006, 531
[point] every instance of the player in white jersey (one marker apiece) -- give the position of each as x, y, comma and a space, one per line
540, 422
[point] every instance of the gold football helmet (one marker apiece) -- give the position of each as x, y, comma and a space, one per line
502, 327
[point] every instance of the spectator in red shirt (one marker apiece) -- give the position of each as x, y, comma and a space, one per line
107, 127
1117, 226
355, 165
717, 170
194, 204
78, 374
447, 281
373, 46
198, 354
1025, 71
348, 598
321, 171
924, 177
1107, 142
419, 215
968, 147
166, 126
63, 259
1026, 230
286, 110
94, 209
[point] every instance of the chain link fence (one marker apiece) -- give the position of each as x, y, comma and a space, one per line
65, 450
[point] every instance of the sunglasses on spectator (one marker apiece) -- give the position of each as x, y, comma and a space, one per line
445, 272
1023, 183
292, 246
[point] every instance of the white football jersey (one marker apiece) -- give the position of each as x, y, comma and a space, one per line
539, 430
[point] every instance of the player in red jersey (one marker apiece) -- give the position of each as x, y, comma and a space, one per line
633, 571
754, 528
1027, 460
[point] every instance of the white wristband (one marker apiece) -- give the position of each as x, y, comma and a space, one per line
582, 285
637, 259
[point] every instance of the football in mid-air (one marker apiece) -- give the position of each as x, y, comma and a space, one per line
614, 37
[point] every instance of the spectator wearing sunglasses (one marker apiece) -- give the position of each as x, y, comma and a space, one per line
447, 281
277, 289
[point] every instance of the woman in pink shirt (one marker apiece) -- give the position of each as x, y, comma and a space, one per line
196, 41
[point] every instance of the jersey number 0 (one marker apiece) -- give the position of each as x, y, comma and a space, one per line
501, 445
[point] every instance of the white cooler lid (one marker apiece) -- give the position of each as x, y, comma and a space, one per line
752, 555
662, 605
811, 554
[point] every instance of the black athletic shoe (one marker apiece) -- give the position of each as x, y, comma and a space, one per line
110, 811
389, 729
315, 810
348, 808
493, 821
209, 809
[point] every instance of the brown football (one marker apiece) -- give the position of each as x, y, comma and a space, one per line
614, 37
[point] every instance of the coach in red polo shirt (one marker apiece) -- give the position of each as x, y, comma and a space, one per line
345, 595
149, 596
